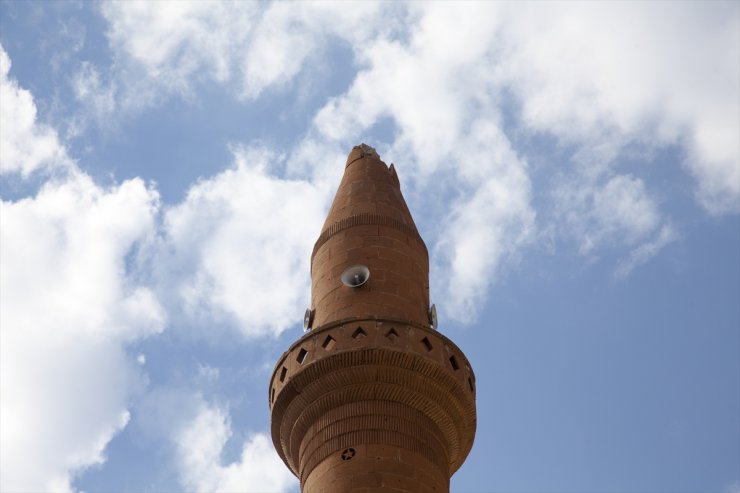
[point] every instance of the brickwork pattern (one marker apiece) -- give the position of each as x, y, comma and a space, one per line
374, 382
369, 223
372, 399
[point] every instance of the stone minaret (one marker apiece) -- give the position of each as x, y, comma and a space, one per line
372, 397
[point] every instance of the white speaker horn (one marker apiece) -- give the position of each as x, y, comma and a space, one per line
355, 276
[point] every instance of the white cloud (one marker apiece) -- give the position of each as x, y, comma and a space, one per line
598, 77
432, 86
603, 79
483, 230
68, 311
249, 47
200, 443
243, 239
98, 95
651, 72
489, 223
25, 145
583, 72
68, 308
161, 49
175, 42
617, 210
288, 35
612, 211
439, 90
622, 207
646, 251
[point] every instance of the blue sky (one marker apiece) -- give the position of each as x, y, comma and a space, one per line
574, 169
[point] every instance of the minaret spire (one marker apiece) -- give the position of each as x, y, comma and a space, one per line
372, 396
369, 223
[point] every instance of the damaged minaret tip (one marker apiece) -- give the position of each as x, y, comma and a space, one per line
372, 396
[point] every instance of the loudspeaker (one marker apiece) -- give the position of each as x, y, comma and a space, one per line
355, 276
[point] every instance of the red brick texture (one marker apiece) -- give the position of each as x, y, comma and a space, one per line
370, 224
372, 399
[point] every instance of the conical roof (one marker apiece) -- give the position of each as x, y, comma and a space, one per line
369, 187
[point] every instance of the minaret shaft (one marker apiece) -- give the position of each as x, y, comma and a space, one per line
372, 399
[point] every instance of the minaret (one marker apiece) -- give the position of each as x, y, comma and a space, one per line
372, 397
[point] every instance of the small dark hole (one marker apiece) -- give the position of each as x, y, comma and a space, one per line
454, 364
283, 372
348, 454
392, 335
272, 395
301, 356
328, 343
359, 333
427, 344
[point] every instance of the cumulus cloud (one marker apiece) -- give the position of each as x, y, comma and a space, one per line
602, 79
199, 444
249, 47
438, 89
429, 85
161, 49
582, 72
68, 311
288, 35
196, 434
599, 78
68, 308
243, 240
176, 42
608, 211
650, 72
489, 223
25, 144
